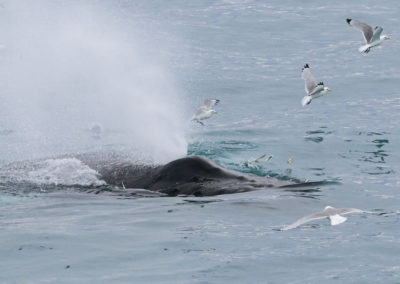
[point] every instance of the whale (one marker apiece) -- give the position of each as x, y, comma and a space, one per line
192, 175
124, 176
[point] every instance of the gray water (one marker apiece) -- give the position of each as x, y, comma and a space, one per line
248, 54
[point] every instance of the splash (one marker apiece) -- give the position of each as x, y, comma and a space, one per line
67, 66
63, 171
67, 171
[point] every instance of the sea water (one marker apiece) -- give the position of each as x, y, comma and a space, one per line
139, 69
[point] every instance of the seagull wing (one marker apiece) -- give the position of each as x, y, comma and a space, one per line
209, 103
199, 112
336, 219
306, 219
349, 210
310, 82
367, 30
377, 34
317, 89
331, 213
259, 158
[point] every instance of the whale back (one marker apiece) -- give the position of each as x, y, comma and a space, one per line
196, 176
192, 168
193, 175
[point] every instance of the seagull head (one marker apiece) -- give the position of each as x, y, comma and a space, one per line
326, 89
384, 37
328, 207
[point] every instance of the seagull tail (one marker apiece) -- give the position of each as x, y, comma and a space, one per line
337, 219
364, 48
306, 100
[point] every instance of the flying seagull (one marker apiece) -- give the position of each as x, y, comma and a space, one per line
372, 37
313, 89
259, 159
333, 214
205, 110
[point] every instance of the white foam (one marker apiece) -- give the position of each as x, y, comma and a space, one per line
66, 171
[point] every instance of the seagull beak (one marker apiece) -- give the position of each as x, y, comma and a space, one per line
330, 90
216, 112
388, 37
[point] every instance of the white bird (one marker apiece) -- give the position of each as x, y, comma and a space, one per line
262, 157
205, 110
372, 37
259, 158
313, 89
333, 214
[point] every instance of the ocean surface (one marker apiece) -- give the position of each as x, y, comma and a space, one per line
126, 76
